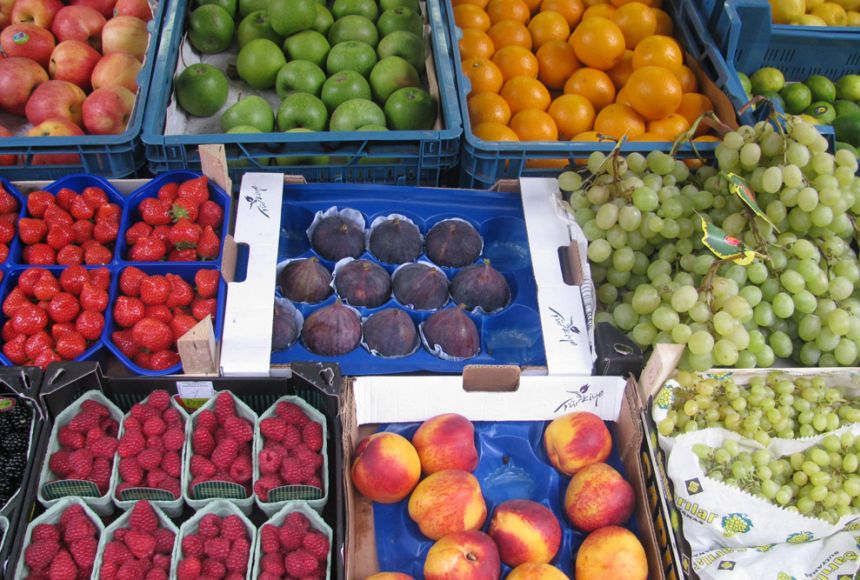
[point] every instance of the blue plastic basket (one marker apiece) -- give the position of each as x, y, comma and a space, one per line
485, 162
392, 157
108, 155
14, 245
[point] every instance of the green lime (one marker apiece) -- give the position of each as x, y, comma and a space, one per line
774, 98
797, 97
848, 87
822, 88
847, 128
847, 146
767, 79
823, 111
745, 83
844, 107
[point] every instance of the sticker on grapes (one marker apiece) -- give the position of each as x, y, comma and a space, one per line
734, 524
800, 537
665, 396
724, 246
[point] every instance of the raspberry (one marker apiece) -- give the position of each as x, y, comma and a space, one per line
270, 539
132, 570
217, 548
81, 463
59, 464
73, 514
189, 569
156, 574
317, 544
161, 561
206, 420
155, 442
160, 399
109, 427
291, 471
154, 426
66, 437
233, 528
130, 471
104, 447
78, 529
264, 484
224, 453
156, 478
171, 463
192, 545
45, 533
149, 459
84, 552
209, 527
142, 412
84, 421
173, 439
95, 407
202, 442
200, 466
291, 537
239, 429
305, 455
270, 462
171, 416
39, 555
140, 544
300, 563
272, 428
132, 422
292, 437
132, 442
297, 520
313, 482
164, 540
240, 553
214, 568
290, 412
273, 564
115, 552
63, 567
143, 517
225, 406
241, 470
312, 436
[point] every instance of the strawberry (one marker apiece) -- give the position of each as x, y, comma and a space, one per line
8, 333
70, 255
72, 279
162, 233
31, 230
93, 298
124, 342
143, 517
39, 255
8, 203
137, 231
7, 231
154, 289
209, 245
154, 211
97, 255
38, 202
90, 324
46, 357
27, 280
29, 319
14, 300
82, 230
4, 253
100, 278
71, 346
196, 189
81, 209
46, 287
210, 214
163, 359
109, 213
168, 192
203, 307
148, 249
127, 311
106, 232
184, 234
129, 281
95, 196
14, 349
184, 208
56, 215
37, 343
181, 293
153, 335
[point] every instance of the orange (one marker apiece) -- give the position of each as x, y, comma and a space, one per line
622, 71
707, 139
654, 92
617, 120
595, 85
573, 114
636, 21
547, 163
557, 62
471, 16
534, 5
590, 3
658, 50
687, 78
665, 26
571, 10
479, 3
547, 26
488, 108
534, 125
525, 93
476, 44
499, 10
588, 136
669, 127
516, 61
651, 3
598, 11
621, 98
483, 74
598, 43
510, 33
648, 136
693, 106
494, 132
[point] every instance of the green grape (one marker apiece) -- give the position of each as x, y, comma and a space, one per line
771, 180
625, 316
623, 260
607, 216
750, 154
783, 305
599, 251
569, 181
664, 318
805, 302
807, 199
725, 352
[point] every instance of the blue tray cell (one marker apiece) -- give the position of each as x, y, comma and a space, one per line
13, 247
512, 465
511, 335
131, 215
186, 271
77, 183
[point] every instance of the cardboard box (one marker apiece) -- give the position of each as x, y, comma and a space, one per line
486, 394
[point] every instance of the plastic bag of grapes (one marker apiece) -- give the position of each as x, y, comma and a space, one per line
734, 492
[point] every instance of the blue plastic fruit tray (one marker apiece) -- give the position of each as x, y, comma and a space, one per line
509, 336
108, 155
485, 162
14, 245
389, 157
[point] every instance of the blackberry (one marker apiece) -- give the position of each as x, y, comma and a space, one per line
15, 442
14, 466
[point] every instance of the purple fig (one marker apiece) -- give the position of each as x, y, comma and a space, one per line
306, 281
332, 330
453, 243
421, 286
363, 283
390, 332
481, 285
285, 327
336, 238
395, 241
453, 331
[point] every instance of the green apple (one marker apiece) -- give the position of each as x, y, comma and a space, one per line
356, 113
201, 90
302, 110
405, 45
389, 4
324, 20
291, 16
258, 63
342, 87
366, 8
351, 55
307, 45
299, 76
353, 27
291, 160
256, 25
251, 111
390, 74
231, 6
243, 162
210, 29
373, 127
247, 7
411, 109
400, 19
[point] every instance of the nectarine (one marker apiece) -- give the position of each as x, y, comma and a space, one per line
533, 571
386, 467
611, 552
525, 531
598, 496
446, 442
446, 502
576, 440
389, 576
463, 556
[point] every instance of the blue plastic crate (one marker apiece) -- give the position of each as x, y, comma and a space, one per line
108, 155
391, 157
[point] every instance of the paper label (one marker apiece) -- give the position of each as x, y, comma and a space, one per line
194, 394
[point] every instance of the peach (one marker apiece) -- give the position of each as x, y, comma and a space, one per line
525, 531
446, 442
463, 556
446, 502
611, 552
386, 467
534, 571
576, 440
389, 576
598, 496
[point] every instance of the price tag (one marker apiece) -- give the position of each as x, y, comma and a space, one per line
194, 394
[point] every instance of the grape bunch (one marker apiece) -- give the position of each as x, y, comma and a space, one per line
822, 481
775, 405
656, 281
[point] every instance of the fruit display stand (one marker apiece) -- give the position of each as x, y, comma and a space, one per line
318, 385
393, 157
115, 156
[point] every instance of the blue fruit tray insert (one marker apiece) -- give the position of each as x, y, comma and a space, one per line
512, 465
511, 335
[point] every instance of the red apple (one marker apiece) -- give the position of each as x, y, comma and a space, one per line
107, 110
74, 61
125, 34
137, 8
28, 40
117, 69
38, 12
6, 12
79, 23
6, 160
56, 128
18, 79
105, 7
56, 100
